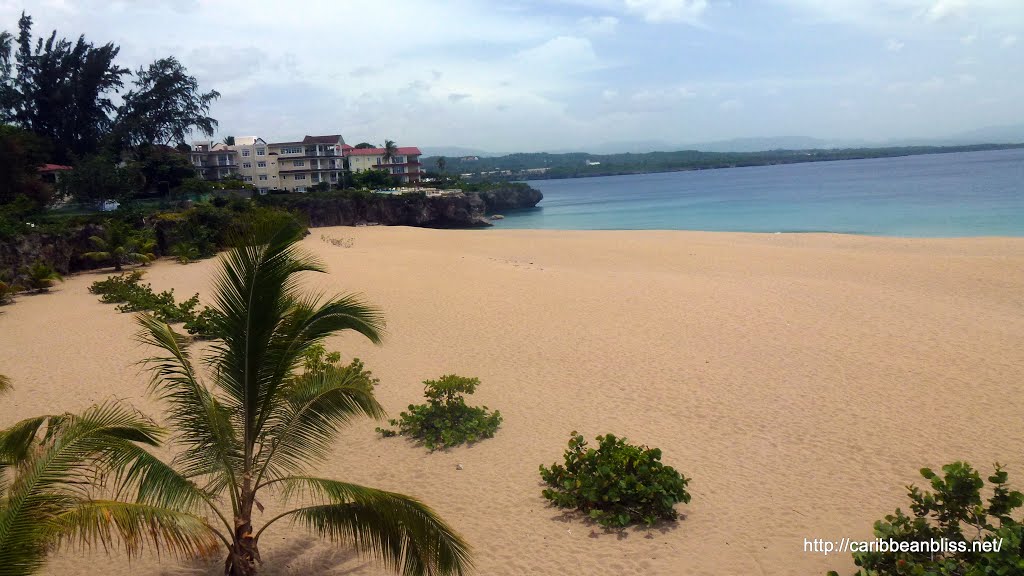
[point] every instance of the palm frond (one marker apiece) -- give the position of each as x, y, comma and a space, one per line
5, 384
307, 323
403, 533
60, 466
312, 409
110, 523
203, 425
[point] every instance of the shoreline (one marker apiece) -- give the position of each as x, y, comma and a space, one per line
775, 370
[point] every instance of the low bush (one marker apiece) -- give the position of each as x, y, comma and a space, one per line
131, 295
40, 276
445, 420
954, 512
617, 484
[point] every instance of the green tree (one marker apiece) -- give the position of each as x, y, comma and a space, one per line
120, 245
390, 150
374, 179
21, 153
159, 164
363, 146
63, 89
229, 140
164, 106
261, 425
40, 276
135, 499
98, 178
442, 163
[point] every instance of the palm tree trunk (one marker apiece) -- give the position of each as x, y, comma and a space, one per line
117, 265
244, 554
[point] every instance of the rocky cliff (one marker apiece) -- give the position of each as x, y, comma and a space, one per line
451, 210
509, 196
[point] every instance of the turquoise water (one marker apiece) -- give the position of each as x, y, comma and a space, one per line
962, 194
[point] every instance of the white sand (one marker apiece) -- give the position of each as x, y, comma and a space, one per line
800, 380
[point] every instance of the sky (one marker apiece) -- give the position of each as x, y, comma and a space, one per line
521, 75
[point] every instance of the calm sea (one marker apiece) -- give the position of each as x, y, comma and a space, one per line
963, 194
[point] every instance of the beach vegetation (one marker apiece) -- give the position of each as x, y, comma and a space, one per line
262, 421
120, 245
186, 252
40, 276
131, 295
615, 484
955, 516
7, 288
89, 479
445, 420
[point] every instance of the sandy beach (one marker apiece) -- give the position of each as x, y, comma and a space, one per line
800, 380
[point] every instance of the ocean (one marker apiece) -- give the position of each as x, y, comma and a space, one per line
936, 195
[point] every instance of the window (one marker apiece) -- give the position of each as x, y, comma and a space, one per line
398, 170
246, 164
261, 164
298, 163
300, 188
291, 150
300, 176
261, 151
245, 152
264, 190
263, 176
398, 160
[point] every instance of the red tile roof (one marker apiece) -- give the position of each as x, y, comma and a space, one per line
53, 168
404, 151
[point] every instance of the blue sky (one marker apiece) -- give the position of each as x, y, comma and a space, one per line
531, 75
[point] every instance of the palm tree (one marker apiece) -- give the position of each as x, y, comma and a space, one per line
441, 163
261, 424
87, 478
40, 276
229, 140
119, 247
390, 150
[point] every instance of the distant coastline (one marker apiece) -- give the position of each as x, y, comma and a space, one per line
545, 166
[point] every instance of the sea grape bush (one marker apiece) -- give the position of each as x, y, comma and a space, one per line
955, 510
616, 484
445, 420
131, 295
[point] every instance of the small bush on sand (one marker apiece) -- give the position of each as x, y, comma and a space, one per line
40, 276
954, 513
617, 484
131, 295
445, 420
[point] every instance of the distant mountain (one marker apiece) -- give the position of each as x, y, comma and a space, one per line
456, 151
773, 143
995, 134
1010, 134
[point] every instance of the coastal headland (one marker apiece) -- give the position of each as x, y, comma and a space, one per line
800, 380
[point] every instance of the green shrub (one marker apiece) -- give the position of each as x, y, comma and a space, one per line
185, 252
956, 512
40, 276
131, 295
617, 484
445, 420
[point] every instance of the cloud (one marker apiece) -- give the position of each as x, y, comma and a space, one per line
731, 105
457, 97
968, 39
688, 11
1008, 41
598, 25
894, 45
363, 71
943, 9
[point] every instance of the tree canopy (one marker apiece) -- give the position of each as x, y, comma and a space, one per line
64, 92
